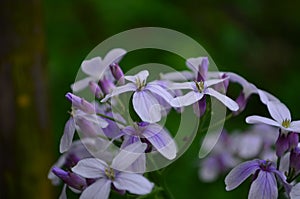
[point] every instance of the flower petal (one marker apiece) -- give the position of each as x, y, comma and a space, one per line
264, 187
90, 168
295, 192
81, 84
146, 106
261, 120
229, 103
183, 85
240, 173
98, 190
134, 183
119, 90
63, 194
278, 111
113, 56
155, 88
212, 82
265, 97
161, 140
178, 76
187, 99
92, 67
142, 76
66, 139
295, 125
128, 155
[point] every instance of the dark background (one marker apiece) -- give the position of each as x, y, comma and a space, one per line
44, 42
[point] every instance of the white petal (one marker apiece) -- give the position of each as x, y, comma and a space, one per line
93, 67
134, 183
265, 97
90, 168
214, 81
119, 90
187, 99
66, 139
154, 88
161, 140
193, 63
81, 84
113, 56
146, 106
128, 155
264, 186
142, 76
229, 103
261, 120
295, 192
295, 126
184, 85
178, 76
98, 190
278, 111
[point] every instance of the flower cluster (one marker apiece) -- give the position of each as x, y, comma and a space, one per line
115, 140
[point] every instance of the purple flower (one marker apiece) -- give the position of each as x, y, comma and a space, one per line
286, 142
295, 160
113, 175
199, 90
264, 185
281, 118
96, 68
157, 136
144, 99
117, 73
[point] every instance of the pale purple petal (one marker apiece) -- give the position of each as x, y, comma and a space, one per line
195, 63
146, 106
90, 168
209, 170
295, 193
134, 183
229, 103
184, 85
142, 76
265, 97
114, 55
119, 90
92, 67
295, 126
255, 119
212, 82
178, 76
161, 140
187, 99
66, 139
128, 155
264, 186
278, 111
240, 173
81, 84
158, 90
98, 190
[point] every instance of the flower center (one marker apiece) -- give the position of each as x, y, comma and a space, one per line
200, 86
109, 172
140, 84
286, 123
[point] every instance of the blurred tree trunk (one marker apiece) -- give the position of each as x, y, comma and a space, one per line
25, 138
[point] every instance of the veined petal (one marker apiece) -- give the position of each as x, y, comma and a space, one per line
214, 81
295, 125
98, 190
183, 85
240, 173
264, 187
90, 168
128, 155
92, 67
278, 111
178, 76
119, 90
255, 119
187, 99
146, 106
134, 183
81, 84
229, 103
161, 140
66, 139
155, 88
142, 76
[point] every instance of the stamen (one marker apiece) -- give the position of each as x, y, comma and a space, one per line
109, 172
286, 123
200, 86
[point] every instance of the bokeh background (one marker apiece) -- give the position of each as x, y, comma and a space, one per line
43, 43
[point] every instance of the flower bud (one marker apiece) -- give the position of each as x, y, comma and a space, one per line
106, 86
80, 103
295, 159
95, 89
117, 73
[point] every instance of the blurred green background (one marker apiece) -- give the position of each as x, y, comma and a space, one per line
257, 39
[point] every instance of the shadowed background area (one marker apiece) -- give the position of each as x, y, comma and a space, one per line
44, 42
